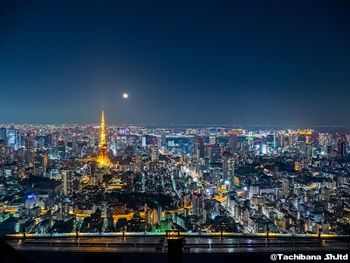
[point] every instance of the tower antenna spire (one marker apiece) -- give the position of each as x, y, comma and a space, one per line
102, 158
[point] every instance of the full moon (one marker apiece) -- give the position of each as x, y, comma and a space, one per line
125, 95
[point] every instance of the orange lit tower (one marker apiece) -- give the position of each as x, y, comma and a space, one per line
102, 158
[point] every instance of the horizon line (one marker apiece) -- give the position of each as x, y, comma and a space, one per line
177, 124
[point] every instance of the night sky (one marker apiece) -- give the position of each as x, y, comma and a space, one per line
182, 62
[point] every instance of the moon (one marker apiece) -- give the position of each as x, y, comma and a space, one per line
125, 95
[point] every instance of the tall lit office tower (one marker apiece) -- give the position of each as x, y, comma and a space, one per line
2, 151
153, 217
144, 141
154, 154
228, 168
233, 142
199, 149
282, 140
341, 145
44, 162
61, 149
67, 181
197, 204
13, 138
3, 134
271, 141
214, 153
30, 150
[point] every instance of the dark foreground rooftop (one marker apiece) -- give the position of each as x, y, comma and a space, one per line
160, 248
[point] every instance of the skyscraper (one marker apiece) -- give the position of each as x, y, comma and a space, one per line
2, 151
341, 145
13, 139
30, 150
154, 154
67, 181
214, 153
228, 168
199, 149
233, 142
102, 158
3, 135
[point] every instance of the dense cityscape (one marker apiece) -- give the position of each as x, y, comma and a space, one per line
133, 178
174, 131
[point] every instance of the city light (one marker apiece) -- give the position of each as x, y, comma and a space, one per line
103, 159
156, 173
163, 130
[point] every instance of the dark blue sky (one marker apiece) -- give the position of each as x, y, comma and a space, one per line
200, 62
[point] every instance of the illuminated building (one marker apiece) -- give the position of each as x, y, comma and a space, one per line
341, 146
307, 132
66, 178
154, 154
228, 168
198, 204
13, 138
212, 139
31, 201
30, 150
61, 149
2, 151
3, 135
271, 141
233, 142
297, 166
214, 153
199, 149
102, 158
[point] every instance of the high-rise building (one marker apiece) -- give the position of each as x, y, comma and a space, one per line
3, 134
61, 149
30, 150
2, 151
67, 181
214, 153
198, 204
13, 138
228, 168
271, 141
199, 149
154, 154
233, 142
102, 158
341, 145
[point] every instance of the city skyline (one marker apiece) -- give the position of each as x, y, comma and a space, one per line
120, 187
153, 179
277, 63
174, 131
